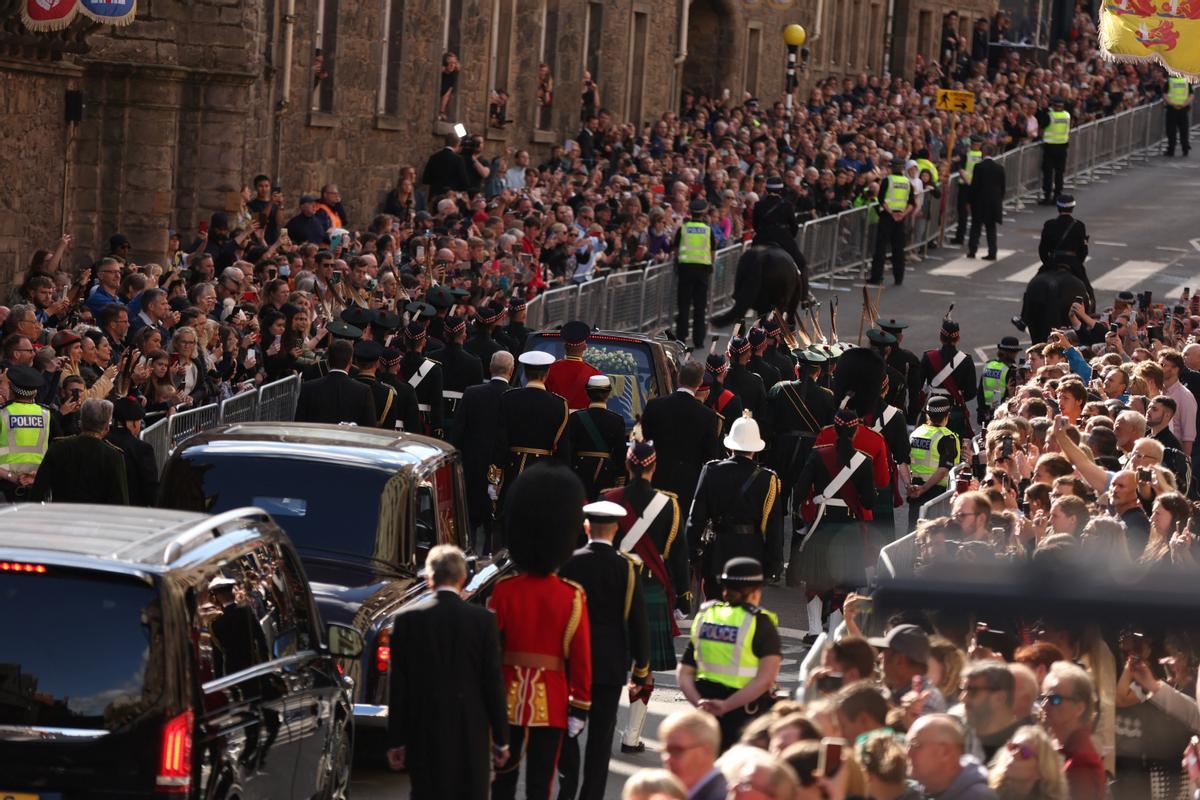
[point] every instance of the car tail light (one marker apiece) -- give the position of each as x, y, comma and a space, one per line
18, 566
383, 651
175, 767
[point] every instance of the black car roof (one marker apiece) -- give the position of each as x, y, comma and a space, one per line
115, 538
618, 336
344, 444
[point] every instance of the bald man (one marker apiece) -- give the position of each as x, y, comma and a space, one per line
935, 750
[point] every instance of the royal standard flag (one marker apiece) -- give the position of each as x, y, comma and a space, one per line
1162, 31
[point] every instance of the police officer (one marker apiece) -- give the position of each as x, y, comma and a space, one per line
1178, 98
617, 614
718, 397
482, 344
597, 438
935, 449
515, 332
734, 651
775, 222
741, 500
745, 384
460, 369
424, 375
963, 196
896, 205
993, 384
1065, 240
696, 247
951, 372
366, 362
24, 433
532, 422
1056, 133
907, 364
777, 355
798, 410
569, 375
896, 385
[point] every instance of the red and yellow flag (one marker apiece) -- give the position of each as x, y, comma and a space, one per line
1162, 31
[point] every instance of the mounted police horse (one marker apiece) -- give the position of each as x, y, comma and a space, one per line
767, 279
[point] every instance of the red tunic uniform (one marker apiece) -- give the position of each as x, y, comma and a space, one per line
568, 377
866, 440
546, 638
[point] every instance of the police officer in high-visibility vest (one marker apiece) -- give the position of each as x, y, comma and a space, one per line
24, 433
963, 196
696, 247
1056, 133
1179, 99
733, 653
896, 204
934, 450
994, 382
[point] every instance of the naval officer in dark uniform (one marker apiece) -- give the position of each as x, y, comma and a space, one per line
798, 410
740, 499
460, 369
907, 364
620, 636
1065, 240
532, 423
597, 438
366, 362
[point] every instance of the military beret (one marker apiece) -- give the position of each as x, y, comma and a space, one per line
344, 330
367, 350
358, 317
385, 320
439, 297
390, 357
950, 327
489, 314
641, 453
892, 325
879, 337
809, 355
419, 309
517, 304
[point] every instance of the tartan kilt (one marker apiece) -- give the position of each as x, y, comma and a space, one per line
658, 619
836, 558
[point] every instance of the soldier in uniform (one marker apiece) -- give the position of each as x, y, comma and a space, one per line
798, 410
408, 412
997, 375
734, 651
720, 399
897, 386
775, 355
515, 332
442, 301
758, 363
740, 499
906, 363
545, 629
651, 531
951, 372
617, 617
935, 450
383, 325
569, 375
425, 376
532, 423
460, 369
24, 433
1065, 241
744, 383
889, 422
481, 344
775, 224
366, 362
337, 330
597, 438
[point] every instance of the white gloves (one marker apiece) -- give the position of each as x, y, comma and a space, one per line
574, 726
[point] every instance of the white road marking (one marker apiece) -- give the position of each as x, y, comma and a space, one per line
1172, 249
1127, 275
1005, 299
1025, 275
1194, 243
962, 266
938, 291
1111, 244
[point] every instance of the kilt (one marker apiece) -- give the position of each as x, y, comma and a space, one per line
658, 619
835, 556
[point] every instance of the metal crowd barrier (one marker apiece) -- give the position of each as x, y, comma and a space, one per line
272, 402
940, 505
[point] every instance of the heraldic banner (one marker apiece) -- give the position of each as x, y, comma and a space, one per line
1162, 31
109, 12
48, 15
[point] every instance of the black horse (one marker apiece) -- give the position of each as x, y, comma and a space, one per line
767, 279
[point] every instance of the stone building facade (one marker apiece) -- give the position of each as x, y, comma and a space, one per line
189, 102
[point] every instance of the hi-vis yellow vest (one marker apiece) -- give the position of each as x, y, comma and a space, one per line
721, 637
24, 436
1058, 131
695, 244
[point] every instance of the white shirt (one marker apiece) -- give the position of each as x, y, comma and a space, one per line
686, 390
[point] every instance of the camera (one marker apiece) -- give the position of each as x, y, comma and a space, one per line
828, 684
1145, 475
470, 146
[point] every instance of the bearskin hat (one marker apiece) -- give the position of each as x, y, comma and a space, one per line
859, 376
543, 517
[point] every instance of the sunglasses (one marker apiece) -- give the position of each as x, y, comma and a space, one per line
1022, 752
1051, 699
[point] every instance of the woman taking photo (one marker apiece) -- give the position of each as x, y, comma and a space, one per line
192, 377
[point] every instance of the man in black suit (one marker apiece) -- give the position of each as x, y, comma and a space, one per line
987, 202
445, 170
476, 428
337, 397
587, 141
684, 432
447, 718
141, 468
619, 634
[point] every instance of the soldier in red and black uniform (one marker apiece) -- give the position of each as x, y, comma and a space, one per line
721, 400
951, 372
569, 376
544, 628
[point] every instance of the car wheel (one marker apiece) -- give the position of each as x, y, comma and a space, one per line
337, 758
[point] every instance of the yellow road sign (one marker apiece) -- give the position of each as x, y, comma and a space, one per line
952, 100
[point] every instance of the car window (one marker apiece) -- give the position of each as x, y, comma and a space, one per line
237, 618
298, 629
78, 649
628, 364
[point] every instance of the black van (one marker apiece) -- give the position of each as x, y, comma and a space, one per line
146, 652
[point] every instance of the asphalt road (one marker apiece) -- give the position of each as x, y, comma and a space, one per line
1141, 220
